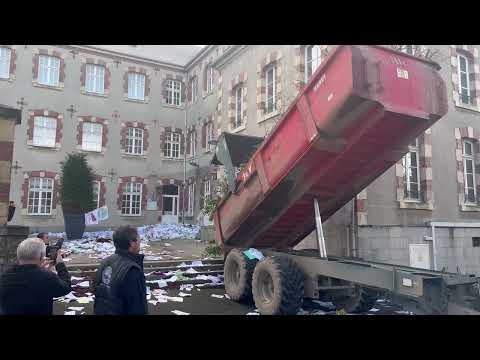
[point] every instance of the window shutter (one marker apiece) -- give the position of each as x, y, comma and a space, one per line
62, 73
204, 136
164, 90
36, 60
83, 74
188, 143
147, 85
107, 78
182, 142
205, 78
183, 91
202, 193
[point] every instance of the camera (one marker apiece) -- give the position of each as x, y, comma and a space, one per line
52, 250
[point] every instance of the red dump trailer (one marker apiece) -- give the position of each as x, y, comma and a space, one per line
353, 120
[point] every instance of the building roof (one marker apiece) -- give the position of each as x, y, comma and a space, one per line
174, 54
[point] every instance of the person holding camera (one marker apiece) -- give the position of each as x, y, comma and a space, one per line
119, 286
28, 288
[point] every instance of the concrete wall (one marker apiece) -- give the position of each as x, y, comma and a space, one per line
390, 244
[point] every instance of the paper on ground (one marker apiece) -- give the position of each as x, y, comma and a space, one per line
83, 284
77, 278
217, 296
178, 312
253, 313
76, 308
227, 296
182, 294
69, 313
191, 271
196, 263
84, 300
374, 309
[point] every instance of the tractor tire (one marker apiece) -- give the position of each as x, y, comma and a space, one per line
238, 272
278, 286
362, 301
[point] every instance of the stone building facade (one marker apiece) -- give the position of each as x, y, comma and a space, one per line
148, 118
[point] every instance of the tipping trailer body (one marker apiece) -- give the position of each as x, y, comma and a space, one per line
352, 121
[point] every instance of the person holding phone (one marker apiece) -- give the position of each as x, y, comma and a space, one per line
28, 288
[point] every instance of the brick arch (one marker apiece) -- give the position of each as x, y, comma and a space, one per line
461, 134
425, 163
44, 112
92, 119
474, 66
42, 174
123, 136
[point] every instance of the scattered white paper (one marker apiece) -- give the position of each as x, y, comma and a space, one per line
83, 284
191, 271
227, 296
154, 302
196, 263
178, 312
76, 308
174, 298
182, 265
69, 313
172, 279
217, 296
67, 259
84, 300
253, 313
77, 278
168, 244
381, 300
374, 310
182, 294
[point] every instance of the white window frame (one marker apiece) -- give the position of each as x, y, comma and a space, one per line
194, 89
48, 70
273, 96
209, 79
459, 73
44, 131
136, 86
469, 158
91, 141
312, 62
172, 144
174, 92
191, 199
207, 192
134, 141
97, 184
210, 136
5, 59
95, 79
44, 191
193, 144
238, 106
407, 164
132, 191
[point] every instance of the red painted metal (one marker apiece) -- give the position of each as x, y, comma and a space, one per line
353, 121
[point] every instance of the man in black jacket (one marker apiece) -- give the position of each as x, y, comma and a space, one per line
29, 287
120, 287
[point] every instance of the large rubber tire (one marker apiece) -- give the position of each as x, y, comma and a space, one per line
362, 301
278, 286
238, 272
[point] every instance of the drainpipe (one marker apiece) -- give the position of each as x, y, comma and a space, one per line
185, 151
434, 247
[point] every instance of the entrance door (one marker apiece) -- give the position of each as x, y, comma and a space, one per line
170, 204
